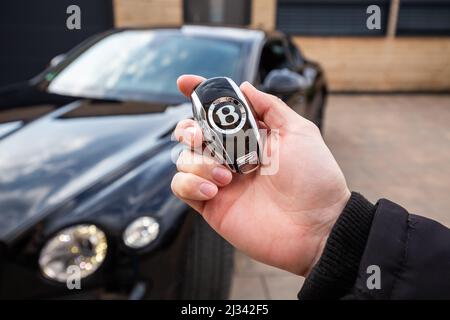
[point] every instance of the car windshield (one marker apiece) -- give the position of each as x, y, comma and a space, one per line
143, 65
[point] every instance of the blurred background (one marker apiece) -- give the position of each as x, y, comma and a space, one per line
388, 115
409, 52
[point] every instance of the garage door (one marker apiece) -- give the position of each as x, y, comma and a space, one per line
328, 17
430, 17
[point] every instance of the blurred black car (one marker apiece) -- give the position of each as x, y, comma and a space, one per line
86, 161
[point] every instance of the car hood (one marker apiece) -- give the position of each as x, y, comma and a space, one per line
58, 155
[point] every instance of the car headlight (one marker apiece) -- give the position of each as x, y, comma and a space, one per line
83, 246
141, 232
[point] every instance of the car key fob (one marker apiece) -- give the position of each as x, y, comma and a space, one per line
230, 130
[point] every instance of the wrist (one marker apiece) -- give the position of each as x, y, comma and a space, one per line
332, 213
337, 267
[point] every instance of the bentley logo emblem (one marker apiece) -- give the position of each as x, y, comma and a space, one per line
227, 115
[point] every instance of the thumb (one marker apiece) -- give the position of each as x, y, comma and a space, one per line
269, 109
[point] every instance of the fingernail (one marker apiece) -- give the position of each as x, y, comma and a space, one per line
208, 189
221, 175
247, 84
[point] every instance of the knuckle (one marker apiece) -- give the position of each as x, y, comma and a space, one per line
276, 99
187, 162
179, 128
185, 123
193, 164
312, 127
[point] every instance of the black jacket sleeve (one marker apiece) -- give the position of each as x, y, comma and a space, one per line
381, 252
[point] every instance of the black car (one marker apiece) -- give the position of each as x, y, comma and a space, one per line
86, 161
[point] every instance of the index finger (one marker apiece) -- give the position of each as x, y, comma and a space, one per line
187, 83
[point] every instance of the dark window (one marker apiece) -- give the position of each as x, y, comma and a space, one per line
429, 17
328, 17
273, 56
232, 12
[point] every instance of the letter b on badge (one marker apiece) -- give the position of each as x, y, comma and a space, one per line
227, 115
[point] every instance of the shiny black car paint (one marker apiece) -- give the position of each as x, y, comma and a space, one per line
67, 160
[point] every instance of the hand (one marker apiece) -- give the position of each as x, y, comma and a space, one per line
282, 219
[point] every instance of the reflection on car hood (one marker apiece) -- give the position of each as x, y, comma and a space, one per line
61, 153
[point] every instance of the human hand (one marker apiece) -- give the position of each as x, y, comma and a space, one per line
282, 219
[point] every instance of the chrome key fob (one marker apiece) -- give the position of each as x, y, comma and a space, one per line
230, 130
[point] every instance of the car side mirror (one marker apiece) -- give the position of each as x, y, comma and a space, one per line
284, 81
57, 59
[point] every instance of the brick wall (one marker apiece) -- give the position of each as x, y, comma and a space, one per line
129, 13
263, 14
170, 12
382, 64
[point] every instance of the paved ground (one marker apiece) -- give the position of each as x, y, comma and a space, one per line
394, 146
